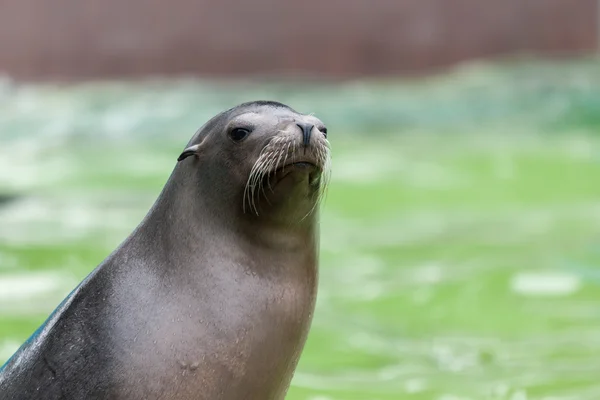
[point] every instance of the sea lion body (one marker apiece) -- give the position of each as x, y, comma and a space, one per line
211, 297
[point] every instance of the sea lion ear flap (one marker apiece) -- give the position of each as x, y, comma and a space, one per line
190, 151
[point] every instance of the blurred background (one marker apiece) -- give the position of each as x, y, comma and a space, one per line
460, 256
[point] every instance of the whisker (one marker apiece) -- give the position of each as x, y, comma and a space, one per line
274, 165
275, 155
251, 183
287, 152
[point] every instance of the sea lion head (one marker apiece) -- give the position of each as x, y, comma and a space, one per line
260, 160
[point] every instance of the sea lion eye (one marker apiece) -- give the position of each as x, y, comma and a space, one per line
238, 134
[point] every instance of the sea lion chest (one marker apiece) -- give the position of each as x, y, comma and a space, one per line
228, 332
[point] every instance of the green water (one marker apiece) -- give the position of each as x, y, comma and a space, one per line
459, 257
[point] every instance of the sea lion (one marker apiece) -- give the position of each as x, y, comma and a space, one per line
212, 295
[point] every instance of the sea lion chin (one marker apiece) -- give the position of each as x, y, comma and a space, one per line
212, 295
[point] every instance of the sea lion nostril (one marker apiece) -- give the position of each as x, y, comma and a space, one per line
306, 132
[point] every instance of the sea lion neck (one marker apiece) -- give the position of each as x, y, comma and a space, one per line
193, 213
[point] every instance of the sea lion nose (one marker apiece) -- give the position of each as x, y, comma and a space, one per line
306, 132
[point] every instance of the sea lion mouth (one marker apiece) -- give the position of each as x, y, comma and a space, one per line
313, 170
302, 165
281, 157
308, 168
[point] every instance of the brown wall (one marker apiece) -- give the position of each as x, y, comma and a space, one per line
100, 38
